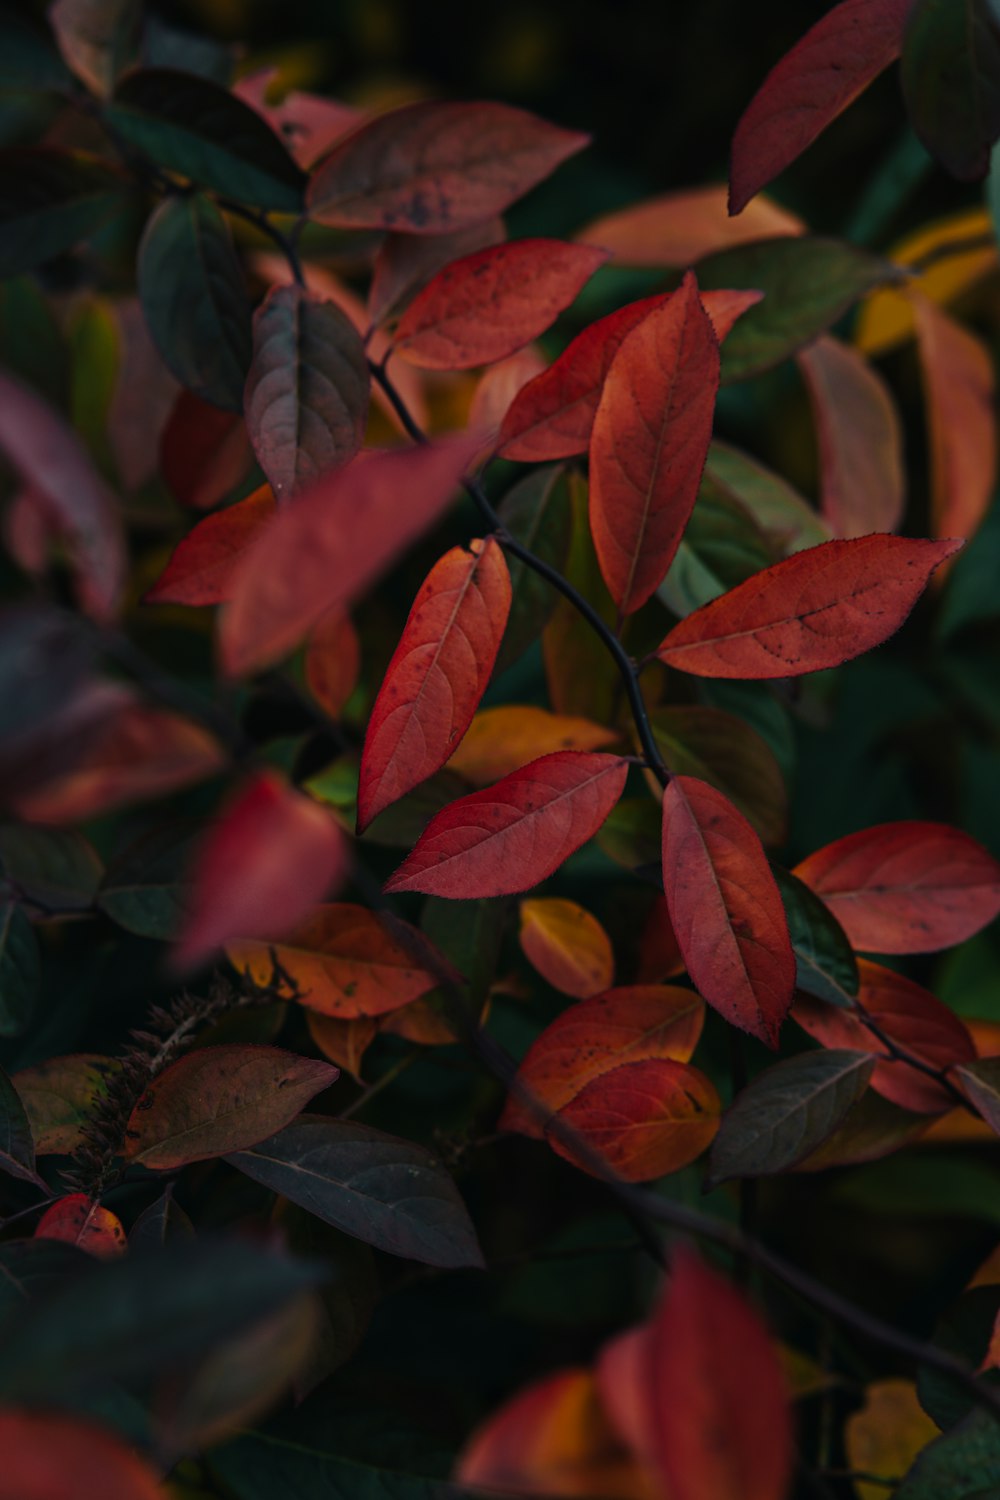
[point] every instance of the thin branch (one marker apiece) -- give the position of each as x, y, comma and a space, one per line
901, 1054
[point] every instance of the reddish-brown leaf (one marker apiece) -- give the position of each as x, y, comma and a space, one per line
500, 740
722, 1421
202, 565
48, 1456
55, 466
553, 415
907, 887
811, 85
817, 609
309, 124
269, 858
658, 956
437, 675
204, 452
508, 837
648, 445
220, 1099
567, 945
959, 390
860, 440
345, 962
677, 229
435, 167
637, 1023
80, 1221
487, 305
725, 909
314, 557
404, 263
333, 661
908, 1015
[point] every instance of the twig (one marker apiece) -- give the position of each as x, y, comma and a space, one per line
904, 1055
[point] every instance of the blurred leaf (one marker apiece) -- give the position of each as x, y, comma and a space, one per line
95, 38
963, 1464
58, 1096
966, 1330
722, 546
259, 1466
50, 201
20, 969
17, 1149
727, 753
537, 513
950, 73
886, 1435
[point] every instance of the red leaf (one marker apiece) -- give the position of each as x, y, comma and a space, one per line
725, 909
860, 440
510, 836
906, 887
722, 1421
56, 1457
817, 609
485, 306
80, 1221
204, 452
811, 85
959, 389
553, 415
308, 124
432, 168
306, 398
55, 466
406, 262
911, 1017
437, 675
202, 565
648, 446
314, 557
677, 229
333, 661
269, 858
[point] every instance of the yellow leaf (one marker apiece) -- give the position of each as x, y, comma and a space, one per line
501, 740
886, 1435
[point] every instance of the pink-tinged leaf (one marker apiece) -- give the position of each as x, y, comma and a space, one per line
314, 557
823, 606
54, 465
204, 452
649, 441
860, 440
433, 168
553, 415
960, 392
725, 909
80, 1221
333, 661
308, 124
499, 387
437, 675
306, 397
220, 1099
677, 229
912, 1018
722, 1419
404, 263
566, 945
48, 1456
201, 568
510, 836
489, 304
813, 83
269, 858
907, 887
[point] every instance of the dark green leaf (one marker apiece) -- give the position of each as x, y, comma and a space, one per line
807, 283
17, 1149
192, 126
631, 834
950, 71
20, 969
965, 1330
44, 656
472, 945
27, 58
145, 891
259, 1467
51, 867
825, 965
388, 1192
787, 1112
95, 38
536, 512
162, 1223
194, 299
963, 1464
970, 593
32, 346
49, 201
722, 546
347, 1301
757, 705
723, 750
165, 46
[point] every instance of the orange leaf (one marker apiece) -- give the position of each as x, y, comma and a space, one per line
823, 606
860, 440
725, 909
648, 445
80, 1221
313, 557
201, 568
508, 837
269, 858
501, 740
482, 308
343, 1042
676, 229
437, 675
333, 661
886, 1435
344, 961
50, 1457
567, 946
907, 887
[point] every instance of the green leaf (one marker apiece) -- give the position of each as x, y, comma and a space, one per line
145, 891
722, 546
192, 126
345, 1304
631, 834
194, 299
950, 72
582, 679
787, 1112
757, 705
259, 1467
723, 750
51, 867
32, 346
95, 352
808, 283
537, 513
58, 1096
789, 521
17, 1149
970, 593
20, 969
27, 58
49, 201
825, 965
965, 1330
162, 1223
388, 1192
963, 1464
472, 945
